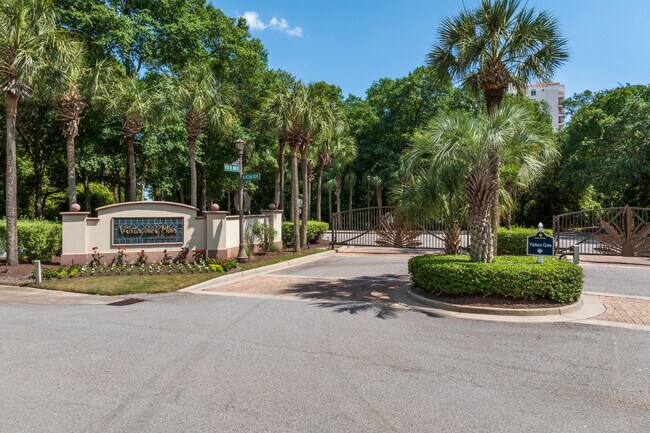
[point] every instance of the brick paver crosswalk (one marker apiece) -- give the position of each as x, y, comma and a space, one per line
627, 310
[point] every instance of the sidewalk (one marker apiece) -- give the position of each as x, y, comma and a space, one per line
631, 310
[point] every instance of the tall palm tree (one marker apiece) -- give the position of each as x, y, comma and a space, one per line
204, 103
341, 147
293, 113
465, 146
134, 100
498, 44
29, 40
73, 84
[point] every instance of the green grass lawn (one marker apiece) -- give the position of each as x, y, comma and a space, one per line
130, 284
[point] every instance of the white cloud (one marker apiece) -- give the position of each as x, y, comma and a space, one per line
282, 25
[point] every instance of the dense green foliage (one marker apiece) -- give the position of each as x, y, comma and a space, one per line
37, 240
512, 277
315, 232
513, 241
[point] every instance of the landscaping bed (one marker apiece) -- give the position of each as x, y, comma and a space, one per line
153, 278
508, 282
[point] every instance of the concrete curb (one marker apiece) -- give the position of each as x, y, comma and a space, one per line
590, 308
226, 279
567, 309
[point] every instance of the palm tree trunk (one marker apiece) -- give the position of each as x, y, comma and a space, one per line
203, 197
378, 195
72, 183
192, 145
493, 100
329, 207
350, 198
278, 198
11, 183
130, 149
87, 192
305, 195
337, 192
452, 237
319, 193
294, 197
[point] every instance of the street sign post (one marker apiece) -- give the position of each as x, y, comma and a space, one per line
231, 167
540, 244
251, 176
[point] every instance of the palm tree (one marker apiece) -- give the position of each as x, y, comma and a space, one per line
72, 84
498, 44
462, 145
204, 102
341, 147
134, 100
29, 40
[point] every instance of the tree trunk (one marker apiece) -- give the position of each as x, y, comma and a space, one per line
350, 198
294, 197
203, 198
279, 192
305, 195
87, 192
72, 183
337, 192
493, 98
276, 190
11, 183
39, 197
130, 149
319, 193
329, 205
192, 145
452, 237
378, 194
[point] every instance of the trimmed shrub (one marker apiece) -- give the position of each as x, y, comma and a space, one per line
513, 241
508, 276
37, 239
315, 232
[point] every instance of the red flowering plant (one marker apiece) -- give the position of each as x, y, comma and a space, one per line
167, 259
142, 259
198, 256
96, 260
118, 259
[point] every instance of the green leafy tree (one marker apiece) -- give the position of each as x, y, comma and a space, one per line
204, 103
498, 44
465, 145
29, 39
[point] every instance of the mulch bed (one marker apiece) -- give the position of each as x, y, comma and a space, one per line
16, 275
488, 301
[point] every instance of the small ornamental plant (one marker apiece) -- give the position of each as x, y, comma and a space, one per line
167, 259
142, 259
118, 258
151, 268
198, 256
96, 259
129, 270
83, 270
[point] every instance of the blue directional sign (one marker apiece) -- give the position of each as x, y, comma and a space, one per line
540, 244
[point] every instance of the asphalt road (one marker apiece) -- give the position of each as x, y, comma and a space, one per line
622, 280
183, 362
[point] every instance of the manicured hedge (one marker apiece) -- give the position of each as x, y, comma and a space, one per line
508, 276
315, 231
37, 239
513, 241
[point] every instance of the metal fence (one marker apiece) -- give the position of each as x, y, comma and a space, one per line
621, 231
383, 226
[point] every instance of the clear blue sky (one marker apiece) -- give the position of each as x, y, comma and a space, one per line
352, 43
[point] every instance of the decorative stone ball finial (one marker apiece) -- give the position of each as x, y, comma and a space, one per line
214, 207
272, 206
75, 207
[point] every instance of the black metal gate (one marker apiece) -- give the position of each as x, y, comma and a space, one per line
383, 227
623, 231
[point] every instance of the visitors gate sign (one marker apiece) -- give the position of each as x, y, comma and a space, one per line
540, 244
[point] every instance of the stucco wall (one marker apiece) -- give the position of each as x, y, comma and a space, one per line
215, 232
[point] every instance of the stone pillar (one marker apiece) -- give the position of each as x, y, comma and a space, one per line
74, 248
275, 221
216, 234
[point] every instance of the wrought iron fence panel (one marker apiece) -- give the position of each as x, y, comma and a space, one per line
383, 226
612, 231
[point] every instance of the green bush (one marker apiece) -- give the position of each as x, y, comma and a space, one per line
37, 239
508, 276
315, 231
265, 235
100, 195
513, 241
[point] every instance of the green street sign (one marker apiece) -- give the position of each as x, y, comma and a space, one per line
251, 176
231, 167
